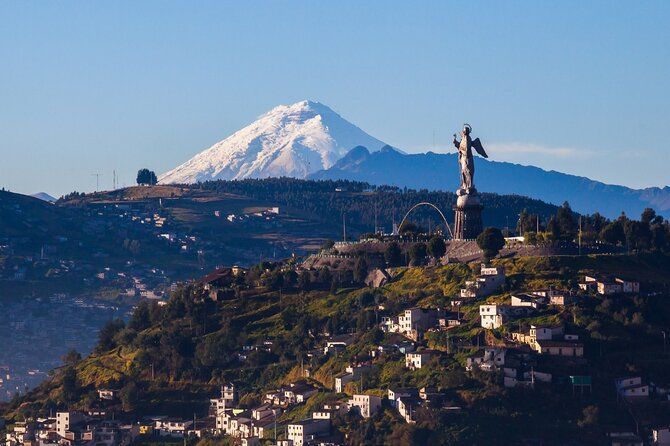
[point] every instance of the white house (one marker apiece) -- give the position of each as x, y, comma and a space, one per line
351, 373
528, 300
65, 421
367, 405
393, 393
628, 286
407, 406
494, 315
632, 388
303, 431
487, 359
490, 279
418, 359
337, 343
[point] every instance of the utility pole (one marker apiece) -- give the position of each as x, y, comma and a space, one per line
97, 180
344, 226
580, 235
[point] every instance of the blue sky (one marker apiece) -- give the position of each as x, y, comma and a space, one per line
579, 87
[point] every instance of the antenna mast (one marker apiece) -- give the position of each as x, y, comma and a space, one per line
97, 180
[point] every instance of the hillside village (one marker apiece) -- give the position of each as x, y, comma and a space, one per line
399, 335
402, 359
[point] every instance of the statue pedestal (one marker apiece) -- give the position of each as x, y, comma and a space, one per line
468, 212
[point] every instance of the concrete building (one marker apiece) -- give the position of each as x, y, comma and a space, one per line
632, 388
488, 281
494, 316
66, 420
303, 431
418, 359
366, 405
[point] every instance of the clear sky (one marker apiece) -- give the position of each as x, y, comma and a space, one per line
575, 86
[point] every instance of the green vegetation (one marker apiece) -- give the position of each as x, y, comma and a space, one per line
146, 177
171, 359
491, 241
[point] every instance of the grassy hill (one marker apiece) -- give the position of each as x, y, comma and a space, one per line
192, 345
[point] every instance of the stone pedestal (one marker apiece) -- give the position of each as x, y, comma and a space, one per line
468, 211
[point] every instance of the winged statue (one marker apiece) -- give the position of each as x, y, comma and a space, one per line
465, 158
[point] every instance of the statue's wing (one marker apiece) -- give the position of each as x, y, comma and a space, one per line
477, 144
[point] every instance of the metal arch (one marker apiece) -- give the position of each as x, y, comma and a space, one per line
425, 203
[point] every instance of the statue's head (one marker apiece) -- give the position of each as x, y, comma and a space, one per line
467, 129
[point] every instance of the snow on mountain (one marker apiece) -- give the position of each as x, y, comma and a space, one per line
290, 140
44, 197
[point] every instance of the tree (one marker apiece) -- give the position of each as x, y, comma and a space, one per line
491, 241
553, 229
141, 318
275, 280
366, 299
146, 177
647, 215
436, 247
129, 396
71, 357
393, 254
566, 221
328, 244
638, 235
324, 275
304, 281
107, 333
70, 385
360, 270
613, 233
417, 253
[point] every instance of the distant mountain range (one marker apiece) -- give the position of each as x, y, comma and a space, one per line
435, 171
309, 140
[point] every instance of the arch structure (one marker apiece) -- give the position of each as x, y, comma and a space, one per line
425, 203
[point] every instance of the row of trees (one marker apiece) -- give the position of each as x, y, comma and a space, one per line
650, 232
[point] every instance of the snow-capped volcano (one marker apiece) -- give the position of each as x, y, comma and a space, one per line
290, 140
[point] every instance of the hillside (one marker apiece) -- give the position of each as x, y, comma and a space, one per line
363, 204
183, 230
434, 171
193, 344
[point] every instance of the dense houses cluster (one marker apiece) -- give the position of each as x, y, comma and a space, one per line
523, 356
261, 218
607, 285
542, 354
72, 428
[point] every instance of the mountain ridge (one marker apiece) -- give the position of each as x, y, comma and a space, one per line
435, 171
